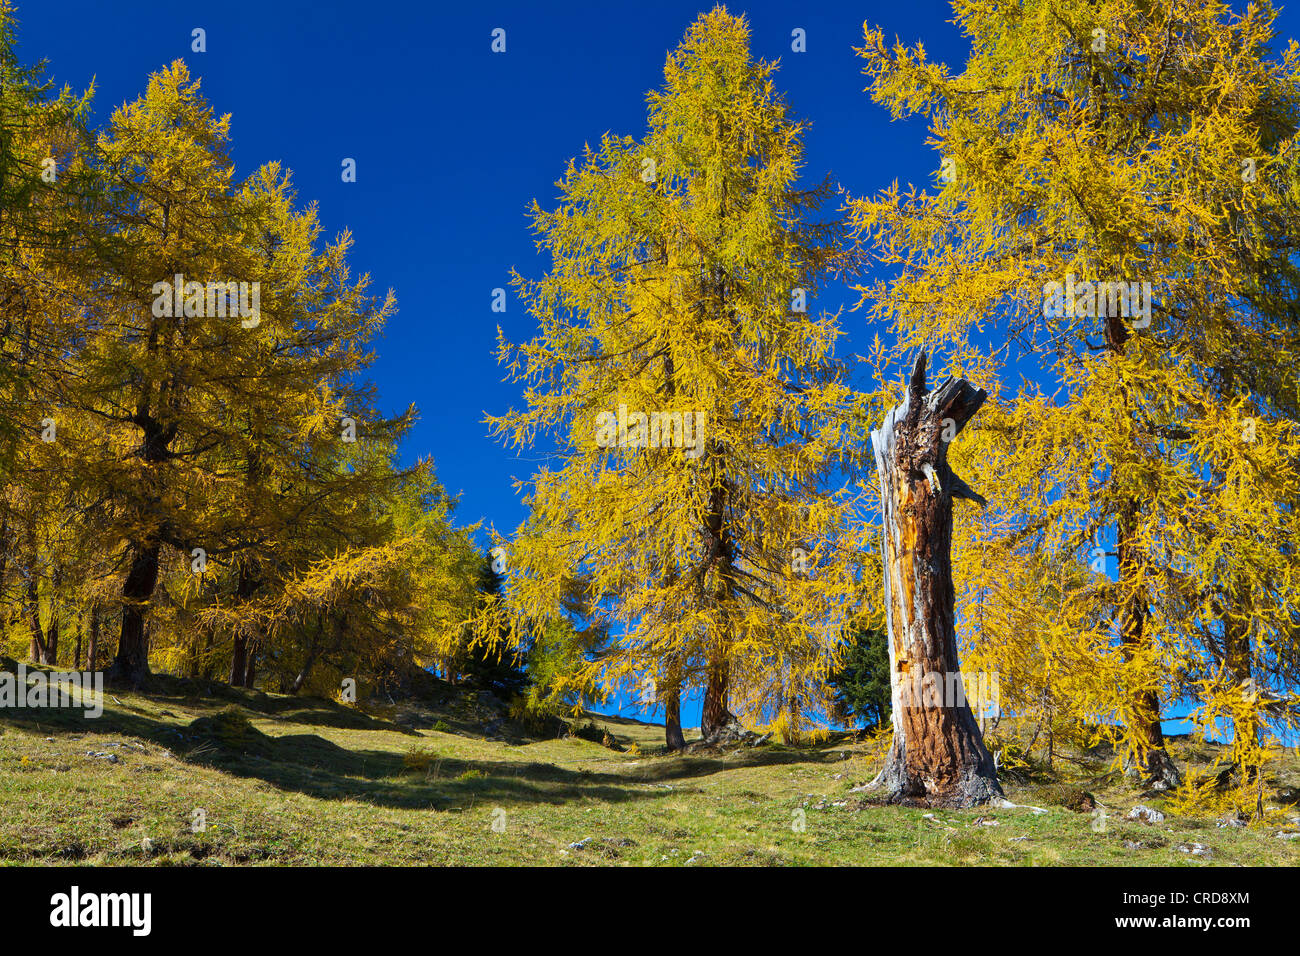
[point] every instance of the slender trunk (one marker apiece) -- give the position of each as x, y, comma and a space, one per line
92, 645
716, 713
4, 558
51, 657
76, 648
241, 664
300, 681
1143, 705
208, 664
37, 650
1237, 657
937, 757
313, 649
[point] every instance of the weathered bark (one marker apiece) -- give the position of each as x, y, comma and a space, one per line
938, 757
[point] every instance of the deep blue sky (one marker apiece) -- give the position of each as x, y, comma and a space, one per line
452, 142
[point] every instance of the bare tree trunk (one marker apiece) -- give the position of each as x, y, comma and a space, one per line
938, 757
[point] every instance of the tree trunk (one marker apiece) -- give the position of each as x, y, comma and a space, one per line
937, 757
241, 665
208, 665
1237, 656
301, 680
37, 650
673, 736
1144, 703
131, 665
238, 661
305, 671
51, 656
92, 646
716, 714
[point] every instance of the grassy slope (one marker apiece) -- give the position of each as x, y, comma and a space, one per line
331, 785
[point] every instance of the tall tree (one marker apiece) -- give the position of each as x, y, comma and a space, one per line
698, 409
1085, 145
219, 345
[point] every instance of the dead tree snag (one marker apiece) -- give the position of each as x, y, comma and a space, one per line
938, 757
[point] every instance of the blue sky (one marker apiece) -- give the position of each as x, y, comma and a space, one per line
453, 141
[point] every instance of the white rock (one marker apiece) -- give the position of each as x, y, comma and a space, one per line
1145, 814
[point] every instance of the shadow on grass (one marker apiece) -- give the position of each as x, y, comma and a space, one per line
222, 738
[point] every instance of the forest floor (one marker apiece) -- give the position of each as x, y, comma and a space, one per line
175, 776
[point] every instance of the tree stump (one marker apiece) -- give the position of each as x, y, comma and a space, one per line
937, 757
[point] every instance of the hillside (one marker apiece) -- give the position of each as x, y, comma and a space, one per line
290, 781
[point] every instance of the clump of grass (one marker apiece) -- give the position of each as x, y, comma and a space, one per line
472, 774
419, 759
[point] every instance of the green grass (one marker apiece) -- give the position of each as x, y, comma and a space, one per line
289, 781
